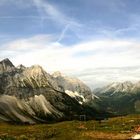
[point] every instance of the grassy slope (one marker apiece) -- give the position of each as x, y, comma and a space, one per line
114, 128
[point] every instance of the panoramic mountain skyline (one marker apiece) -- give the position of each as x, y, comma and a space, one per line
96, 41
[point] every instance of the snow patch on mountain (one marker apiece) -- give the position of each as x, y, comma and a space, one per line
72, 84
76, 95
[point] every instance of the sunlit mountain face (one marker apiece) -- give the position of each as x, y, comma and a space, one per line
96, 41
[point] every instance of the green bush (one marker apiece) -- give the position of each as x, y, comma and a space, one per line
6, 137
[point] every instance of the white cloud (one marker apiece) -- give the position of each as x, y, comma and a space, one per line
95, 62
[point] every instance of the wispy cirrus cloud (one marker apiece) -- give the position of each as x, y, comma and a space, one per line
45, 8
110, 19
51, 11
63, 33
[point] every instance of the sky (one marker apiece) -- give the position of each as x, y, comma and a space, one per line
97, 41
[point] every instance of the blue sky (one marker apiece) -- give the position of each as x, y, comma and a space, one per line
94, 40
80, 20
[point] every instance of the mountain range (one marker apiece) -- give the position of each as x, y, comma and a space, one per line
31, 95
121, 98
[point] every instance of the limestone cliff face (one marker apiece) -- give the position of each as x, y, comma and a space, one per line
73, 84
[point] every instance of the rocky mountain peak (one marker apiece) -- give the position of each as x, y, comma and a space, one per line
115, 88
34, 70
122, 86
6, 61
57, 74
21, 67
6, 65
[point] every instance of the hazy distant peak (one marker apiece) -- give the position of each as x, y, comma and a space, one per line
22, 67
57, 74
120, 84
116, 87
125, 82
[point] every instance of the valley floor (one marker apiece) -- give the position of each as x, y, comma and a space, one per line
113, 128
